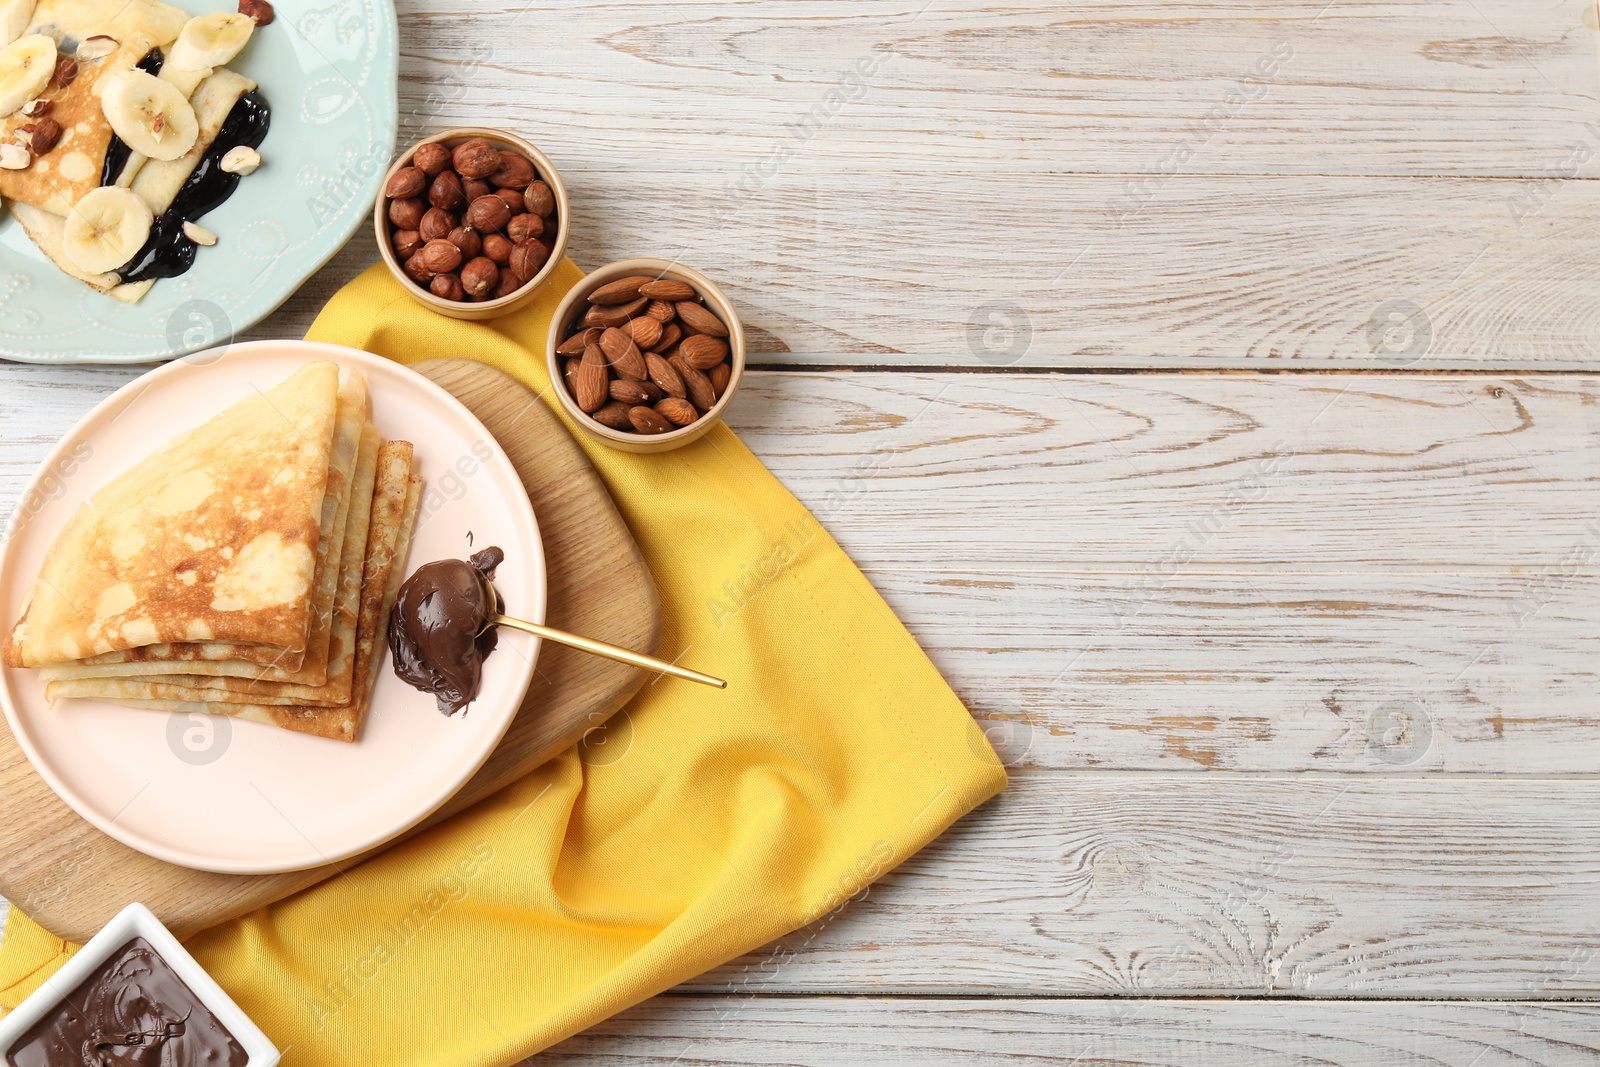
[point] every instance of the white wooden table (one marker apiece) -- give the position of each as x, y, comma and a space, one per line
1111, 339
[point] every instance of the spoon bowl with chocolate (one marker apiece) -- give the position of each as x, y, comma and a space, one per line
444, 626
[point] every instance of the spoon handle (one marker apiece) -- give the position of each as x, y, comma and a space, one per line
600, 648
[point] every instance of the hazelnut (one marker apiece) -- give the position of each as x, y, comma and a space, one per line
514, 172
418, 271
539, 198
498, 248
513, 200
65, 74
509, 283
440, 256
476, 187
431, 159
406, 183
476, 158
407, 214
528, 258
447, 287
43, 134
524, 227
436, 223
407, 243
479, 277
466, 239
259, 10
446, 192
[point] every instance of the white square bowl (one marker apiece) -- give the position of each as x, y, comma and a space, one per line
136, 920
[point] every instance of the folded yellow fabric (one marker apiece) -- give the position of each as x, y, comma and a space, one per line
713, 824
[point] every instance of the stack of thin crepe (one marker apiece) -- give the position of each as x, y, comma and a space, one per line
247, 569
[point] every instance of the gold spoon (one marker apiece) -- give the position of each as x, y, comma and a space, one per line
600, 648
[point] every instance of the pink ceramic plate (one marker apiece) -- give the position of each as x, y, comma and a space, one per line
220, 794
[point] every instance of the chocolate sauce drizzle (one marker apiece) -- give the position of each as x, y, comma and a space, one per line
167, 253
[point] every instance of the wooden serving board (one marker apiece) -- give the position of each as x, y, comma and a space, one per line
71, 878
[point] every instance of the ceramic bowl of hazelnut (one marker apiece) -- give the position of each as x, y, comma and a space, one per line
646, 354
472, 221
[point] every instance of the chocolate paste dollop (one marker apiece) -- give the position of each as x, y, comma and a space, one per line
440, 633
134, 1010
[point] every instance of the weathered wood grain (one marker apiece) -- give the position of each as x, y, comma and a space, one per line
1101, 884
1097, 185
1121, 572
849, 1032
712, 88
1121, 472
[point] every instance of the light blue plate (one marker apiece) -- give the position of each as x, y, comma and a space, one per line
329, 70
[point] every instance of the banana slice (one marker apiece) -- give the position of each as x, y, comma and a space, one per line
150, 115
210, 40
14, 18
106, 228
25, 68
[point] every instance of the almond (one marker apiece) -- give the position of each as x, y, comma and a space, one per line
695, 383
624, 354
703, 352
678, 412
669, 337
589, 384
647, 421
644, 330
614, 415
631, 393
667, 289
621, 291
702, 320
665, 375
574, 345
613, 314
569, 371
719, 375
662, 311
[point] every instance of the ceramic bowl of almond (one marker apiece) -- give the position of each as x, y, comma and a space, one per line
646, 354
472, 221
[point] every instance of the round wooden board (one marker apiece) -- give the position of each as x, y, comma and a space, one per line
71, 878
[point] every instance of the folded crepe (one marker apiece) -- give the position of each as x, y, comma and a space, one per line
240, 681
213, 538
395, 505
308, 666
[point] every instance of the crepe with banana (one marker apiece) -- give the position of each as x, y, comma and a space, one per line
120, 128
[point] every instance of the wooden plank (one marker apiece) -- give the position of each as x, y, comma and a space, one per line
981, 270
713, 90
851, 1031
1119, 572
1330, 671
1102, 884
1151, 474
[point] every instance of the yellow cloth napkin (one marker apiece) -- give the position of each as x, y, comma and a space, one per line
707, 825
